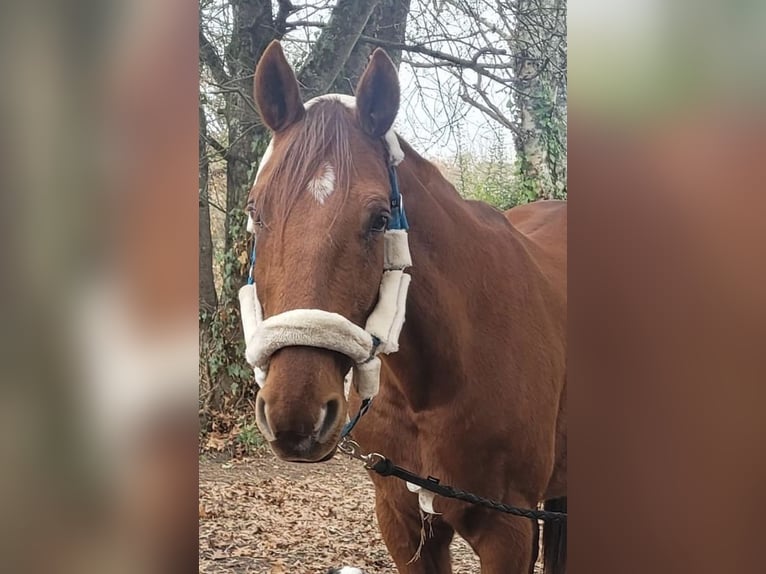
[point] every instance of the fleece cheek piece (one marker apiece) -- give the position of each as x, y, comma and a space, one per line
367, 378
260, 376
395, 152
387, 319
250, 310
251, 313
396, 251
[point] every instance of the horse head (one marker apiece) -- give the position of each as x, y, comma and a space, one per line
320, 209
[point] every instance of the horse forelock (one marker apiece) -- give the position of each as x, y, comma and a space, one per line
312, 157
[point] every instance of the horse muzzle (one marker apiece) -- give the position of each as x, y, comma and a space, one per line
294, 439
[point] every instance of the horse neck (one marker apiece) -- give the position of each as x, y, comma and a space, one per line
461, 253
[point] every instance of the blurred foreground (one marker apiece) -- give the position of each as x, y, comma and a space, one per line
666, 287
99, 337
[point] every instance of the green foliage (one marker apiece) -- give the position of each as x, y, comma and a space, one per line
250, 438
493, 179
223, 343
525, 183
226, 378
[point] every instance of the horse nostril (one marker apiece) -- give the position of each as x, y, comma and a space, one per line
328, 419
262, 418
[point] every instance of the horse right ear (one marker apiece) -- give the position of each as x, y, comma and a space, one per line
276, 91
377, 95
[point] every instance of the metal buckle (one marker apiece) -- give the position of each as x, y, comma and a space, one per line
351, 448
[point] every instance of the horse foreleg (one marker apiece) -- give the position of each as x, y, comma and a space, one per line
417, 546
505, 544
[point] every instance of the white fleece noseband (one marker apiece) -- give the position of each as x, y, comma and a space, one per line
322, 329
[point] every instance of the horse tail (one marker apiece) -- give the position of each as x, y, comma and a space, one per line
555, 539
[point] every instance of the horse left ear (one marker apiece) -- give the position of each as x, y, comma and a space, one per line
276, 91
377, 95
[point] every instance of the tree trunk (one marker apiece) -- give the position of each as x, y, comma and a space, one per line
253, 30
387, 22
208, 299
334, 45
540, 94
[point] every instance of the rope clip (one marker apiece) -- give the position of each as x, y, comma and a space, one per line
352, 449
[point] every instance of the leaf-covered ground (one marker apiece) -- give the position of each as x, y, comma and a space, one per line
262, 515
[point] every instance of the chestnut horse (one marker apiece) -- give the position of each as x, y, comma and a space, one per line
476, 394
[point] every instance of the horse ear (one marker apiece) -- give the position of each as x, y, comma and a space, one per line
276, 90
377, 95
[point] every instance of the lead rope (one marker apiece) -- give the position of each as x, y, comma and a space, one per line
384, 467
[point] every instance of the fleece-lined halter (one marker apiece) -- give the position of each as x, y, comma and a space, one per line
322, 329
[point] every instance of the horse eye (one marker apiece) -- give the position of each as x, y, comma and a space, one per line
379, 223
255, 216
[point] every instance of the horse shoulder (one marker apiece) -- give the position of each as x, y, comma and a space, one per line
544, 225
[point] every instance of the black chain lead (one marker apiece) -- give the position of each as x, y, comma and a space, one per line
385, 467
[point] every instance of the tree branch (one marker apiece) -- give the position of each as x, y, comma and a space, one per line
472, 64
286, 8
212, 60
304, 24
214, 205
216, 145
490, 110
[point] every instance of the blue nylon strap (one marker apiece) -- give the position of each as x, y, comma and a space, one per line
251, 274
398, 216
375, 344
365, 406
365, 402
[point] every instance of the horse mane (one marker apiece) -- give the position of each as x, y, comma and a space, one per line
322, 137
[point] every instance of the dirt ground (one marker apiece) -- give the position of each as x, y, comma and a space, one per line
262, 515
